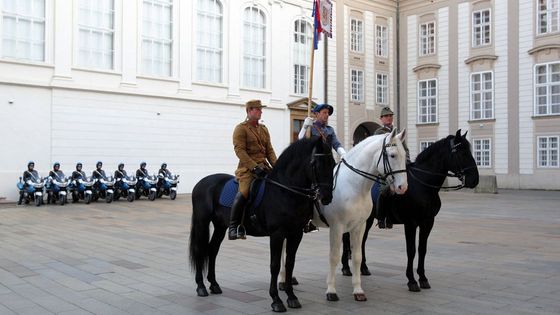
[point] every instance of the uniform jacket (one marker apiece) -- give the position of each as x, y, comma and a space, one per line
252, 146
327, 132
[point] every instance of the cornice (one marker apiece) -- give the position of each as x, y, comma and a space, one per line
426, 66
480, 57
543, 47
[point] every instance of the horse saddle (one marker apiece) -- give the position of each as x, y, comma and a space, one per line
232, 187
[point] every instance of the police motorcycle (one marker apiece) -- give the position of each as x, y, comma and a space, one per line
167, 183
57, 186
124, 185
103, 185
81, 186
146, 185
31, 186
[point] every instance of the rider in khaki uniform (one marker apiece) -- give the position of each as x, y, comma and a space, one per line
251, 142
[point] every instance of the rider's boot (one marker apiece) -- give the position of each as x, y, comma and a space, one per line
237, 209
382, 220
310, 227
20, 198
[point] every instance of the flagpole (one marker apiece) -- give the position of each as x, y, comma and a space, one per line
311, 73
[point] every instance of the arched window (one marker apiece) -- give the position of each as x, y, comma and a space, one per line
302, 48
254, 52
209, 46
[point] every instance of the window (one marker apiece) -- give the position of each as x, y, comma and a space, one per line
356, 36
302, 45
96, 30
254, 42
481, 28
23, 29
547, 89
427, 101
482, 95
381, 46
547, 154
482, 152
157, 40
209, 41
548, 16
382, 89
427, 38
425, 144
357, 86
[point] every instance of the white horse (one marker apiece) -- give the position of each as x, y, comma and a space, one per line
374, 157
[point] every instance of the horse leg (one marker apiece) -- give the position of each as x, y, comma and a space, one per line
425, 230
410, 234
293, 242
346, 254
335, 238
276, 245
356, 242
213, 248
364, 270
282, 276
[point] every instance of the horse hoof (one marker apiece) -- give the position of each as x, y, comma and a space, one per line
424, 284
215, 289
278, 307
293, 303
281, 286
294, 281
360, 297
413, 287
201, 292
365, 271
332, 297
346, 272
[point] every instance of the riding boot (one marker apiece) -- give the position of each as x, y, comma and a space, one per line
237, 209
310, 227
382, 220
20, 199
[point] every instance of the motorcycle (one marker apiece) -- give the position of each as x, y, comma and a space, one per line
33, 192
103, 188
57, 190
82, 188
124, 187
168, 185
146, 186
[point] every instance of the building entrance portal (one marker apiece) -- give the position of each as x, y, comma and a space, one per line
363, 131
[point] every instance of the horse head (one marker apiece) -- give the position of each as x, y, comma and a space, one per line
393, 157
462, 162
321, 175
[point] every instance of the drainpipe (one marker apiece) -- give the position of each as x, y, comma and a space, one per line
398, 48
326, 70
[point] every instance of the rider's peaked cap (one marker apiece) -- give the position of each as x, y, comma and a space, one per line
254, 104
386, 111
319, 107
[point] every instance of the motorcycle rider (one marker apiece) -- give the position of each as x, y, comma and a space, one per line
166, 172
99, 173
120, 172
28, 175
79, 174
55, 174
142, 171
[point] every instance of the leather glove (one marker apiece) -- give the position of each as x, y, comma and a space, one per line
341, 152
307, 122
258, 171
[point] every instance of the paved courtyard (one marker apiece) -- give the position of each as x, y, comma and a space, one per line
488, 254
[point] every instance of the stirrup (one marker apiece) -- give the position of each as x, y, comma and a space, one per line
310, 227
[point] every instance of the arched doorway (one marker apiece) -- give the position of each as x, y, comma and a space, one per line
363, 131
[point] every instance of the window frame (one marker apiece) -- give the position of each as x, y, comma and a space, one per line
481, 27
160, 40
427, 38
425, 144
385, 93
260, 58
548, 85
357, 37
481, 92
357, 97
483, 151
547, 12
382, 42
549, 151
112, 31
207, 74
419, 98
29, 40
298, 80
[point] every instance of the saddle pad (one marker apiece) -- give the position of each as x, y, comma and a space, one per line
375, 192
232, 187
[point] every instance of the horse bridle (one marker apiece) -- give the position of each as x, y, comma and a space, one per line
387, 170
459, 173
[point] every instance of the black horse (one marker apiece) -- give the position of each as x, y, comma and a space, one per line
420, 204
302, 175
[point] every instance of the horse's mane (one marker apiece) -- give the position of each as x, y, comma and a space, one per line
294, 153
437, 147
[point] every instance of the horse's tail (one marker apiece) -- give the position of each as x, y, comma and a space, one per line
200, 234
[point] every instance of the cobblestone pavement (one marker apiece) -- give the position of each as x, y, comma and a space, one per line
488, 254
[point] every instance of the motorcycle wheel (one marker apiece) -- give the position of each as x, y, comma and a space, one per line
116, 196
37, 201
173, 194
62, 200
75, 197
109, 198
130, 197
88, 199
152, 196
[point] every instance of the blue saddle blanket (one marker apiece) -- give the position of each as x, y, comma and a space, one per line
232, 187
375, 192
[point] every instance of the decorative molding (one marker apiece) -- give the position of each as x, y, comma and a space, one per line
425, 66
543, 47
480, 57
